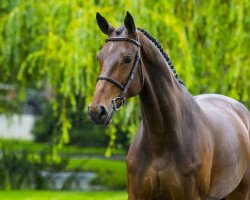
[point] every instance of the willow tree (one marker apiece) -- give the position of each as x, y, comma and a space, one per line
54, 43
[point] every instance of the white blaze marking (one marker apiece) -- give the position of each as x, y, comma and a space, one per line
111, 46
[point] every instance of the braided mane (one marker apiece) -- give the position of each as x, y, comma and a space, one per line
157, 44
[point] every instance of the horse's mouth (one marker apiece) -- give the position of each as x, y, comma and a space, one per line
101, 120
109, 118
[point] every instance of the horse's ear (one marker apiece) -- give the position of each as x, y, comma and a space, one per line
129, 23
105, 27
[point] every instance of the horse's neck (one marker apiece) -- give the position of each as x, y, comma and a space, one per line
163, 99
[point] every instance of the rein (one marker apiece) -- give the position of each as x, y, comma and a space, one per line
124, 87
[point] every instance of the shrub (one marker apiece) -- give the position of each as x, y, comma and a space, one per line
21, 169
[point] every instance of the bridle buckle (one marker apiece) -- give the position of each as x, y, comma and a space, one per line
121, 99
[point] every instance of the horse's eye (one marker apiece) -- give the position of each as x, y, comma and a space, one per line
127, 60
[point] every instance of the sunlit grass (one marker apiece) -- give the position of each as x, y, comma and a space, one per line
110, 173
61, 195
18, 145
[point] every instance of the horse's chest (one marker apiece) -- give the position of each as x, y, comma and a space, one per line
157, 182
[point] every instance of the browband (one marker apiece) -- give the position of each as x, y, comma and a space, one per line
123, 39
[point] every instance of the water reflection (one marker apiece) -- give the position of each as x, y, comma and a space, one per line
70, 181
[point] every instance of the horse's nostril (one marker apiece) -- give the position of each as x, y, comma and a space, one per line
102, 111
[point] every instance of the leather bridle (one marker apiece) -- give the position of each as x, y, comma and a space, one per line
122, 87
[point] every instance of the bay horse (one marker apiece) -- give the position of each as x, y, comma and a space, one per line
186, 148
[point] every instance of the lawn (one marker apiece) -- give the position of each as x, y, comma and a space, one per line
18, 145
62, 195
111, 173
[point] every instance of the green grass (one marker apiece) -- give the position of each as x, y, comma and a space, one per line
96, 165
110, 173
61, 195
18, 145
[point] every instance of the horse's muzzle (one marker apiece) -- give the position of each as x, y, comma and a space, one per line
99, 114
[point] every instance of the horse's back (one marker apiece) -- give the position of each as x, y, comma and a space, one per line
219, 103
229, 123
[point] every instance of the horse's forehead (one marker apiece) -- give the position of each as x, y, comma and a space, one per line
117, 48
113, 48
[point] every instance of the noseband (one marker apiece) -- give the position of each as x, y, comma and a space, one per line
125, 87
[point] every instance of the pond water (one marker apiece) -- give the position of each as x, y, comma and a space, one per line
70, 181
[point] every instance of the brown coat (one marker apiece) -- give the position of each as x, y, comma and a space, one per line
186, 148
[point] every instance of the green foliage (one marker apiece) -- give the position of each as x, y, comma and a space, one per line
67, 150
84, 133
21, 163
21, 170
109, 173
19, 145
54, 42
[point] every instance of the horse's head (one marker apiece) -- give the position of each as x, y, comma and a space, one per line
121, 74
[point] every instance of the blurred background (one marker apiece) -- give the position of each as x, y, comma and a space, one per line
48, 146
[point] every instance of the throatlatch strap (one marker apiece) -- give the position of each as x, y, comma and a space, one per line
131, 76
